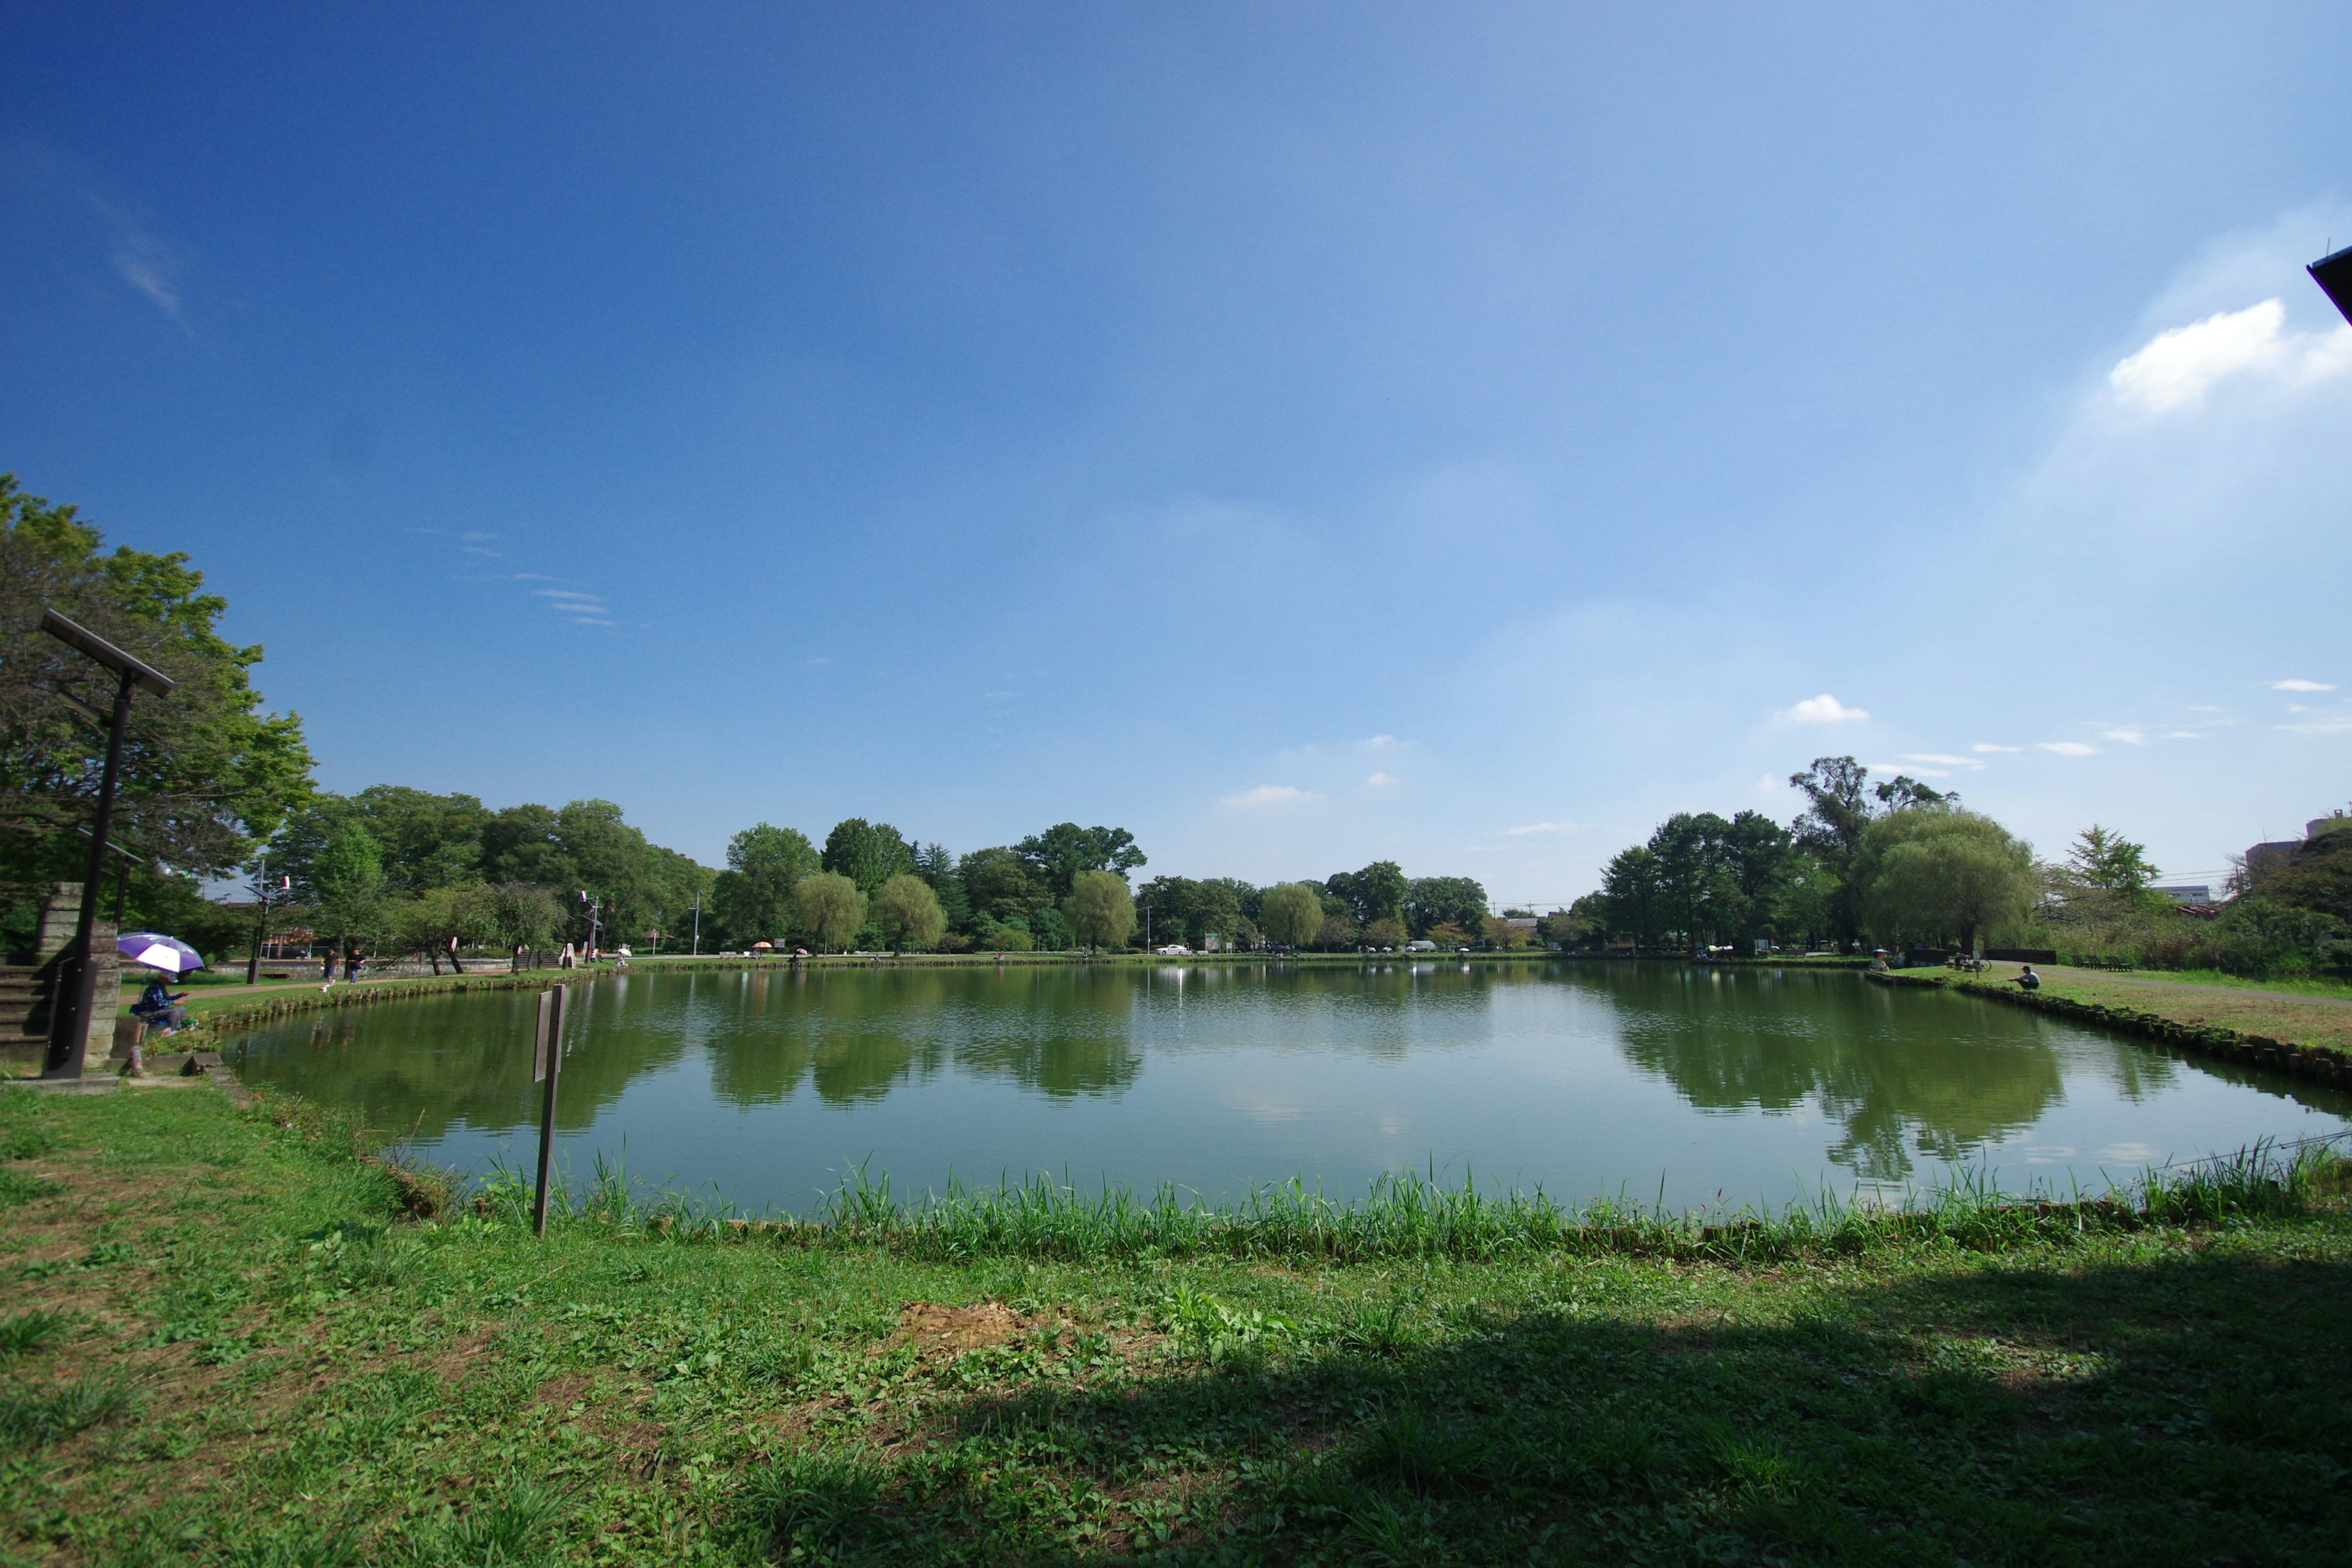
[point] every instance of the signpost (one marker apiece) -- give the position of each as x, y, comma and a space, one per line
547, 1066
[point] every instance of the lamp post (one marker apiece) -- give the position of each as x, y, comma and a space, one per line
2334, 276
697, 924
77, 978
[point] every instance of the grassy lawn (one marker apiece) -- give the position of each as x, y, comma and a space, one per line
2281, 1014
226, 1345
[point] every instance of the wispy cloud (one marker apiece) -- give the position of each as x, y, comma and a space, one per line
2183, 735
585, 609
1265, 795
1991, 746
1822, 710
1379, 741
142, 261
1915, 770
2068, 748
2128, 736
2178, 366
1945, 759
1538, 828
2301, 686
1381, 781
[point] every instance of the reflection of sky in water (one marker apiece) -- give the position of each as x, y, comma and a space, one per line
1580, 1079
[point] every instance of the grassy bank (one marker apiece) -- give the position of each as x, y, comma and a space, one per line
2298, 1014
229, 1341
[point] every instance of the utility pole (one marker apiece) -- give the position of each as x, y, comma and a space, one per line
697, 924
76, 984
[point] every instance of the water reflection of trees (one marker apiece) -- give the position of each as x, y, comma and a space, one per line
853, 1037
419, 1067
1901, 1074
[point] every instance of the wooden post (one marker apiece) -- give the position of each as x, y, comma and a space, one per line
547, 1066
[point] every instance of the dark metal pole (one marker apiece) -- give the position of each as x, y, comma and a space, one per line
77, 991
548, 1061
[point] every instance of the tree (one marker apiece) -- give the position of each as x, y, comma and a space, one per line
343, 881
1291, 914
766, 864
429, 840
1501, 934
1635, 895
440, 921
1056, 855
1443, 900
206, 775
1100, 910
523, 917
1000, 885
1376, 892
1386, 932
935, 866
1336, 933
909, 912
2109, 863
830, 908
1937, 872
868, 853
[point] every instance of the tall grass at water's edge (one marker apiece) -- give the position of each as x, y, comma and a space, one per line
1409, 1215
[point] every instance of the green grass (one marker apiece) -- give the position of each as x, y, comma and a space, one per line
255, 1362
2340, 990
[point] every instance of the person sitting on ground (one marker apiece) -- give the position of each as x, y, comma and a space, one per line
159, 1009
2026, 979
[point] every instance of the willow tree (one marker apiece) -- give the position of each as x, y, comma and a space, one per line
829, 907
1100, 910
1937, 872
909, 912
1291, 914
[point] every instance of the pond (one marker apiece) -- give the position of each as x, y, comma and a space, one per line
1644, 1080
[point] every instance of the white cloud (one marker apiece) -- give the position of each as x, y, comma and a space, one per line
2069, 747
141, 260
1381, 741
1268, 795
1822, 710
1539, 828
2177, 366
1381, 781
2182, 735
1945, 759
1990, 746
1916, 772
2301, 686
2128, 737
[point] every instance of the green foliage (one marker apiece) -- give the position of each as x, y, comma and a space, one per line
1000, 885
1376, 892
868, 853
1056, 855
1937, 871
1101, 912
830, 908
1292, 914
1443, 900
753, 896
206, 774
908, 913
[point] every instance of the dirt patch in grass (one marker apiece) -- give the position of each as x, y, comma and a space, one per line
932, 1327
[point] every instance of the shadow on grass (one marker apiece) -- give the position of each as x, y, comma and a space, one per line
2190, 1412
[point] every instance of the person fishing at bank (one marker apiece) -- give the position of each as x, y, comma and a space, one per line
2025, 979
160, 1009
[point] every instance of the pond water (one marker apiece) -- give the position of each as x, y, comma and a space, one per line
1643, 1080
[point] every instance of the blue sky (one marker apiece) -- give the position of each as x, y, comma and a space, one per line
1302, 434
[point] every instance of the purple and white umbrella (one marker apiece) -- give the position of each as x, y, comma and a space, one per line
156, 951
